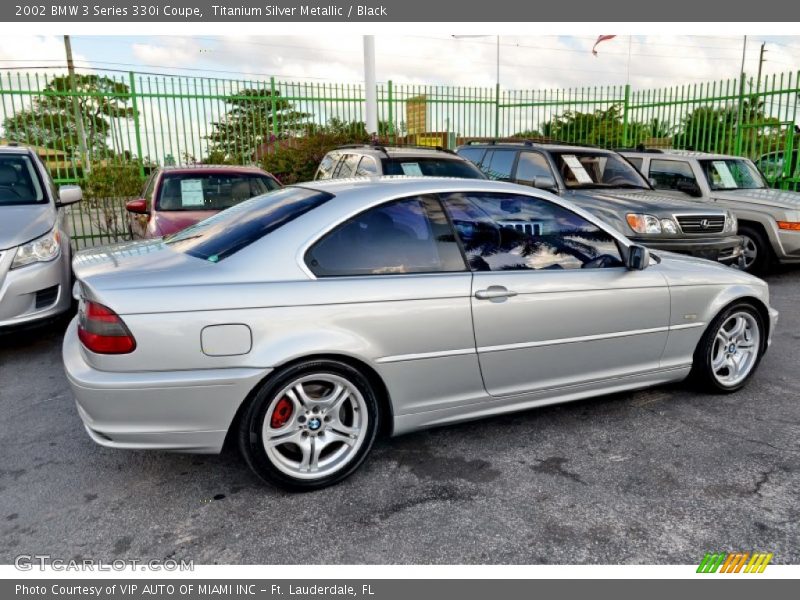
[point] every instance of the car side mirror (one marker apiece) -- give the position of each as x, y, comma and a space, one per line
138, 207
638, 258
69, 194
544, 183
689, 187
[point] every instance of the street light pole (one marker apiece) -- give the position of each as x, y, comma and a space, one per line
370, 92
76, 113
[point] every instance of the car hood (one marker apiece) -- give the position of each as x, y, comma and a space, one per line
639, 201
20, 224
169, 222
680, 269
763, 197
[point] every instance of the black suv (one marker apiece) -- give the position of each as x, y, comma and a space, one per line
366, 160
608, 186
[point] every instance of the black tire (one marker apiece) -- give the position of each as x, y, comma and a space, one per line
755, 239
702, 373
251, 425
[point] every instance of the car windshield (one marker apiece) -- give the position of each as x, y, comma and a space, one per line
19, 183
732, 174
210, 191
229, 231
587, 169
432, 167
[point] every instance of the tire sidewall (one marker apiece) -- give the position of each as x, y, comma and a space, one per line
703, 356
250, 431
761, 263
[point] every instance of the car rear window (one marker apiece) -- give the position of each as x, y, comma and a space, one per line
19, 182
210, 191
229, 231
432, 167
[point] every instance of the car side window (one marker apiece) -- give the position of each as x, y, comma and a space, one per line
530, 166
670, 174
509, 232
474, 155
347, 166
498, 164
327, 166
636, 162
405, 236
367, 167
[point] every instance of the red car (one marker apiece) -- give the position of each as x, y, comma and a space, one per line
176, 197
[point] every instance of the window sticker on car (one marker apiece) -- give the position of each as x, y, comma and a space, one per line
192, 192
577, 168
725, 174
411, 168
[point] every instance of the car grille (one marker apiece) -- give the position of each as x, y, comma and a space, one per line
46, 297
702, 223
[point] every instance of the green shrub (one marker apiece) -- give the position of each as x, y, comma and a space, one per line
121, 180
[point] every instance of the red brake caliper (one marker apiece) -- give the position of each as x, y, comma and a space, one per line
283, 410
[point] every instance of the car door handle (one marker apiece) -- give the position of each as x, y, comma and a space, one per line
494, 291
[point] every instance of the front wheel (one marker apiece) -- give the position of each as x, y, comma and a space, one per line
756, 252
310, 426
730, 349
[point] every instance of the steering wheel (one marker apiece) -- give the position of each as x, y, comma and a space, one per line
601, 262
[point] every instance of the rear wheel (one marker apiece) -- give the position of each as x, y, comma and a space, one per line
755, 250
730, 349
310, 426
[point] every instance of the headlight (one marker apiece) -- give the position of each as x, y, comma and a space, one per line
731, 224
43, 249
669, 226
643, 223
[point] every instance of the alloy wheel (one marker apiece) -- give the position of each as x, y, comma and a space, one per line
315, 426
735, 350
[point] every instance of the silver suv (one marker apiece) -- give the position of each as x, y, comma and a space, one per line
34, 240
367, 160
769, 219
605, 184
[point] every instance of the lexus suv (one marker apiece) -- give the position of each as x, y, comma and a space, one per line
607, 185
769, 219
35, 253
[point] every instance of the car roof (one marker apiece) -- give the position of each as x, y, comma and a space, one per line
14, 149
401, 184
553, 147
665, 153
184, 169
397, 151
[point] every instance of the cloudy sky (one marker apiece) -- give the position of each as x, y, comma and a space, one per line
535, 62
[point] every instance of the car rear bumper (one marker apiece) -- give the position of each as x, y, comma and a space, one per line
33, 293
727, 250
188, 411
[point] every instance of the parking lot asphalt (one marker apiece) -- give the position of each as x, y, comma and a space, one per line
659, 477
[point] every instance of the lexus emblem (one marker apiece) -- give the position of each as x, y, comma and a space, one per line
704, 223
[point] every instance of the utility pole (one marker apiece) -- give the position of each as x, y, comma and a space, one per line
761, 60
76, 113
370, 92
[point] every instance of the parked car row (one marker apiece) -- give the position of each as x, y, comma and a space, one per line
302, 322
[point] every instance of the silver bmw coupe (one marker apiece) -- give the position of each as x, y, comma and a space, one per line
303, 322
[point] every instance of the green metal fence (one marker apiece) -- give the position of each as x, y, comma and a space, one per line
107, 131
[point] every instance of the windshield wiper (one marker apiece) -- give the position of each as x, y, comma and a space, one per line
629, 186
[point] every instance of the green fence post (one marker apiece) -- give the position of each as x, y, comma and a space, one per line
497, 110
274, 112
625, 107
391, 113
136, 125
740, 117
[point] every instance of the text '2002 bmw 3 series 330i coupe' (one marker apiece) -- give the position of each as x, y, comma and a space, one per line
304, 321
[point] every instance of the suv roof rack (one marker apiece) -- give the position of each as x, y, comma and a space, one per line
529, 142
364, 145
641, 148
385, 149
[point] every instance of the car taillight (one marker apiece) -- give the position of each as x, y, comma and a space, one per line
102, 331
